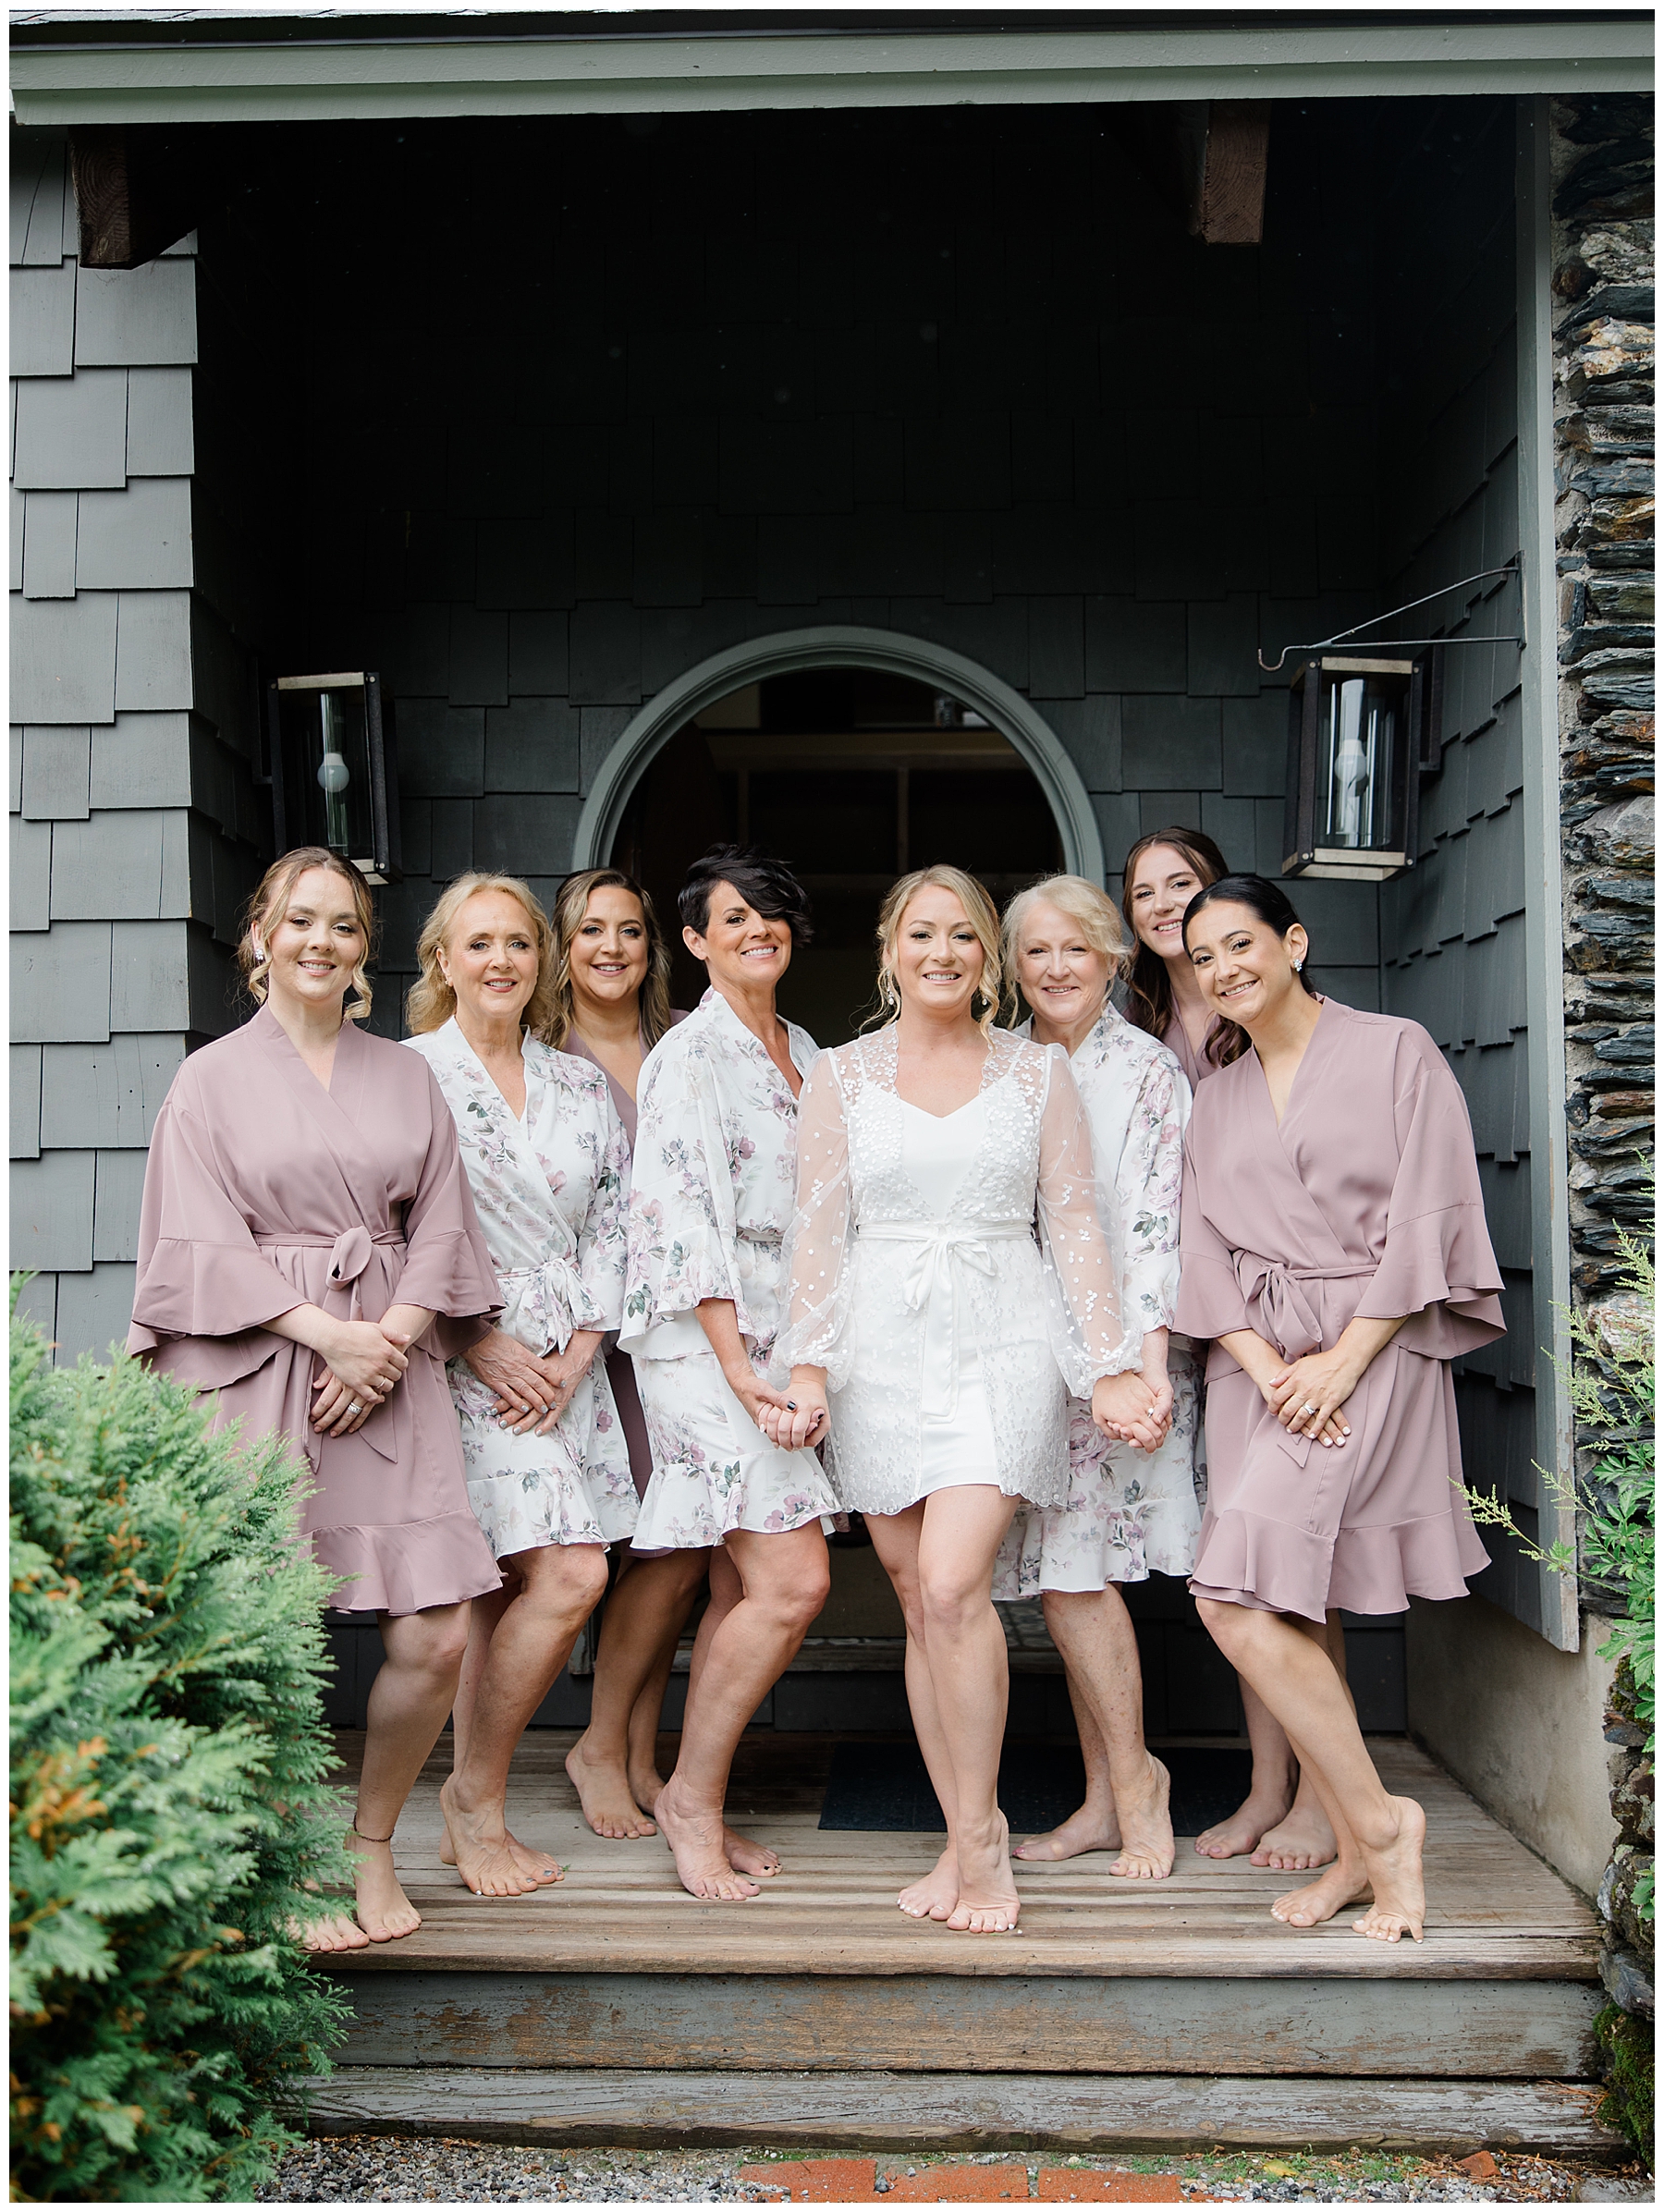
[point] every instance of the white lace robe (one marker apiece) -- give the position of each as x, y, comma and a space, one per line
711, 1188
1021, 1268
550, 1191
1128, 1512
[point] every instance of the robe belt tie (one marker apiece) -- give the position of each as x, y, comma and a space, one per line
1276, 1294
931, 1276
545, 1300
388, 1431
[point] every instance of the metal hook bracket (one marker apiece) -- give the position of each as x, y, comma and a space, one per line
1510, 567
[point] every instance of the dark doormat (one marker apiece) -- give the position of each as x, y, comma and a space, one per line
885, 1786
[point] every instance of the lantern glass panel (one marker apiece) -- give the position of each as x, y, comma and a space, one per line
1360, 741
325, 733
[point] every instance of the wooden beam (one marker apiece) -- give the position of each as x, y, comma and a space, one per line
1228, 199
134, 196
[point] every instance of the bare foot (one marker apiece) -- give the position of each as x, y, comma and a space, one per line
1234, 1839
987, 1902
746, 1857
1146, 1852
384, 1912
696, 1841
1345, 1883
646, 1783
481, 1848
1091, 1828
1395, 1875
607, 1796
935, 1896
1304, 1840
335, 1931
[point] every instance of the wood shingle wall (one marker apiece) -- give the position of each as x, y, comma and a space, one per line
132, 835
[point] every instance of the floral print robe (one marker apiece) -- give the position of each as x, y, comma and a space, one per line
1128, 1512
712, 1191
550, 1192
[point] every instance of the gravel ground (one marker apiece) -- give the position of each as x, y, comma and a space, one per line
399, 2169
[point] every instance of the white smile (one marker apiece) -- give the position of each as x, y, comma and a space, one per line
760, 952
1236, 990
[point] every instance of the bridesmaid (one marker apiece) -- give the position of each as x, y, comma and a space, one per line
946, 1334
1131, 1506
308, 1251
1280, 1821
548, 1470
1335, 1250
611, 1006
710, 1204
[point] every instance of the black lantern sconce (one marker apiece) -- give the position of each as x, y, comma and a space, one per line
1363, 730
335, 772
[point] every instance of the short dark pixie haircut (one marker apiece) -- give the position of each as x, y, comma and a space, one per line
765, 884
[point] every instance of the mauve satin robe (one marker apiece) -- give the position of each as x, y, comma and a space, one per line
1365, 1200
265, 1191
620, 1367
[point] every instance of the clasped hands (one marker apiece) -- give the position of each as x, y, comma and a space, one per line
1135, 1408
362, 1363
532, 1392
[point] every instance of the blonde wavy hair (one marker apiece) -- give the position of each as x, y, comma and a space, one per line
432, 1001
271, 902
1089, 907
980, 912
572, 904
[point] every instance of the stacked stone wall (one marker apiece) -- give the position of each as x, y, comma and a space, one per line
1603, 283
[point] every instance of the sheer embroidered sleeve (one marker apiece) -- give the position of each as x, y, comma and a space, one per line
1080, 1238
817, 1333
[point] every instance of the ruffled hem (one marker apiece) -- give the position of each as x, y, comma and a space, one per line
1048, 1551
559, 1507
406, 1567
689, 1508
1370, 1569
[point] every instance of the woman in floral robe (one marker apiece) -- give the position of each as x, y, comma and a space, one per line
544, 1450
1132, 1507
713, 1186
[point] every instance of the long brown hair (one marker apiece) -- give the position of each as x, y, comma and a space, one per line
1268, 903
432, 1001
572, 904
270, 903
1149, 987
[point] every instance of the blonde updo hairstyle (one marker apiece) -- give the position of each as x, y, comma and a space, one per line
1091, 910
432, 1001
571, 905
980, 912
271, 902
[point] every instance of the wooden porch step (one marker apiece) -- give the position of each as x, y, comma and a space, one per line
1153, 2114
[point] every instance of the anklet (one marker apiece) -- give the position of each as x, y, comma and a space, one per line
364, 1838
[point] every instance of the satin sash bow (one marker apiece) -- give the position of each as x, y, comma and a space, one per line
547, 1297
1275, 1295
931, 1276
388, 1431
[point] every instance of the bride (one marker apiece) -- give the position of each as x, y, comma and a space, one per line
938, 1338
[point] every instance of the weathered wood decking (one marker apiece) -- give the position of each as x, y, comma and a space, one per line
1188, 1976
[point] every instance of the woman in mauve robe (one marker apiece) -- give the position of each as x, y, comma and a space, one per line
1337, 1255
267, 1193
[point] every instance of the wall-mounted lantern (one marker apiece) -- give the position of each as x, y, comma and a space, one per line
335, 772
1363, 729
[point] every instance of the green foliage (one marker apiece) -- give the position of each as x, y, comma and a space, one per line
1611, 1385
1628, 2104
169, 1798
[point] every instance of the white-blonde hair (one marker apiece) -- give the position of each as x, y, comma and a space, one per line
1091, 910
433, 1001
980, 912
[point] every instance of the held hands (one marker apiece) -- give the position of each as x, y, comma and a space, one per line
800, 1416
363, 1360
771, 1409
1133, 1408
532, 1393
1307, 1394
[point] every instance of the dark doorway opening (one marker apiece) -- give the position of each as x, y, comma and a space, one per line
854, 776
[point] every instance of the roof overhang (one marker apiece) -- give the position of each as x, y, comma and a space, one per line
183, 66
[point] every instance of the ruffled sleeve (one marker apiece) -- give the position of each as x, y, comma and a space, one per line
1079, 1237
1438, 1265
201, 1272
447, 1267
1210, 1298
817, 1333
1147, 1189
683, 1234
602, 1243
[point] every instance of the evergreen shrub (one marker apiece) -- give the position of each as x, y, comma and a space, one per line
170, 1810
